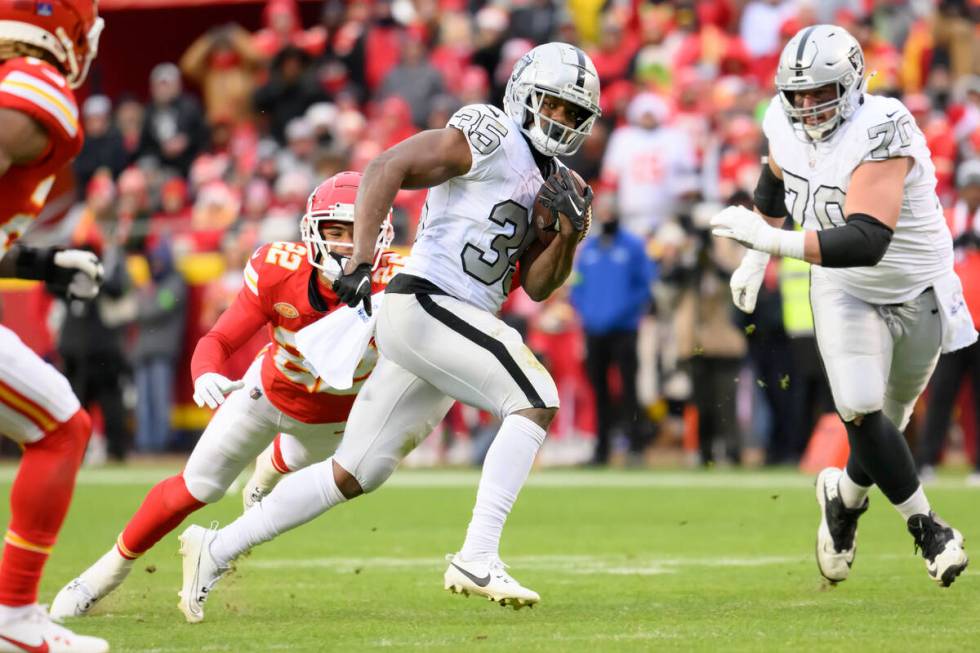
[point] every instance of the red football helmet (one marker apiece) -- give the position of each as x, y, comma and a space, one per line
333, 201
68, 29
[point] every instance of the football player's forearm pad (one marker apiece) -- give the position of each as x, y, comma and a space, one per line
861, 242
770, 195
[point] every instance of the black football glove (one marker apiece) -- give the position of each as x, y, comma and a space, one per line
560, 194
355, 287
71, 273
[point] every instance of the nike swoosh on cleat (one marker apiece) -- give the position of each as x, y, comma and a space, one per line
30, 648
481, 582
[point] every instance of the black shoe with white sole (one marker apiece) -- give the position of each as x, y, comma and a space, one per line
941, 547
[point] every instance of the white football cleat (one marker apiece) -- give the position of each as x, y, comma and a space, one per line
838, 528
200, 571
487, 578
77, 597
941, 546
35, 632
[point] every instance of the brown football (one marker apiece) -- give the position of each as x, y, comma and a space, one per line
545, 226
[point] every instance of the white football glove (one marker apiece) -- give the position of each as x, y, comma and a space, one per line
750, 229
747, 279
211, 388
88, 274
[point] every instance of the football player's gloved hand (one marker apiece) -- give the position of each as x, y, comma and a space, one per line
750, 229
747, 279
560, 193
211, 388
745, 226
354, 287
79, 272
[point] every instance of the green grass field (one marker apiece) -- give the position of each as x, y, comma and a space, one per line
624, 561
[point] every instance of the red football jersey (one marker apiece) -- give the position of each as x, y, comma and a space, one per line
277, 293
36, 88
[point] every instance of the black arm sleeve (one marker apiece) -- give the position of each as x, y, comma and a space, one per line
770, 195
861, 242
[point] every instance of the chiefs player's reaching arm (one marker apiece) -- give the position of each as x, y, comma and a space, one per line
22, 141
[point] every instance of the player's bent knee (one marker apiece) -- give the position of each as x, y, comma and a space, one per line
346, 483
205, 490
70, 437
540, 416
854, 411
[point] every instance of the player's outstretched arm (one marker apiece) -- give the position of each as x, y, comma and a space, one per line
873, 203
422, 161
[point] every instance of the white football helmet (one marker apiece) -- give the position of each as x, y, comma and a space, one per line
560, 70
816, 56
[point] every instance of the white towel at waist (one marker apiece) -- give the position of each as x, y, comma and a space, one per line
335, 344
957, 323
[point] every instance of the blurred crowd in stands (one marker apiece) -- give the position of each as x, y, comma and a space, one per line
647, 349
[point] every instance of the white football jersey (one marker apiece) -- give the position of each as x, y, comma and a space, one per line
816, 178
475, 227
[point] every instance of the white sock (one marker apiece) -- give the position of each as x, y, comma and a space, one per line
266, 475
917, 504
10, 613
505, 469
852, 494
299, 498
108, 572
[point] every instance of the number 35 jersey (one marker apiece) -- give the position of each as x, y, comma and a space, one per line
817, 178
475, 227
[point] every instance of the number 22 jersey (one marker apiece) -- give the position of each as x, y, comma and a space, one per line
817, 177
475, 227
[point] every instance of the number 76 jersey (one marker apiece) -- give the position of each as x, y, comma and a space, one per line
817, 178
475, 227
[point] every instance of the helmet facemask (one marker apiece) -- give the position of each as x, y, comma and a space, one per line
798, 116
549, 136
330, 256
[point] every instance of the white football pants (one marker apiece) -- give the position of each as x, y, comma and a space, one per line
34, 396
876, 357
240, 429
434, 349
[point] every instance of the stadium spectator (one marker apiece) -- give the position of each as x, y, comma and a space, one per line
611, 293
954, 368
129, 120
415, 79
760, 25
160, 316
91, 341
289, 91
651, 165
223, 62
103, 147
708, 343
807, 382
534, 20
615, 50
174, 130
283, 29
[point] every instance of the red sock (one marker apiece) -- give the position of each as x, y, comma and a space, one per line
39, 501
277, 460
164, 507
